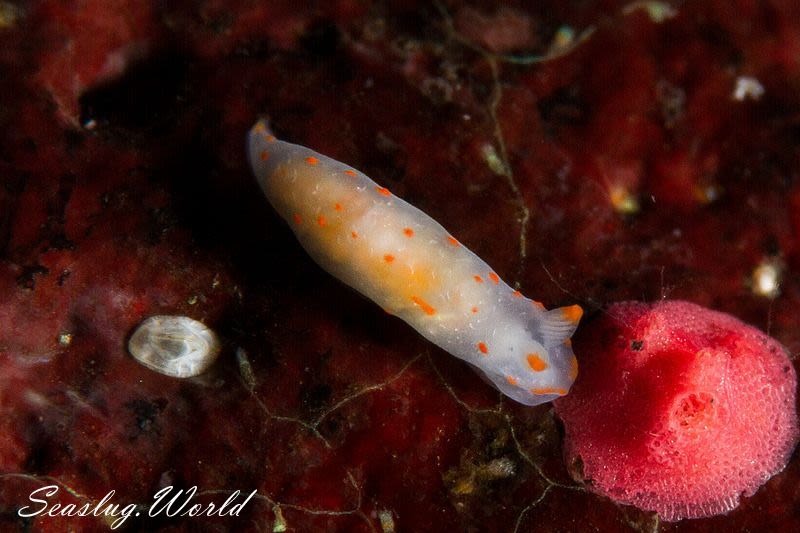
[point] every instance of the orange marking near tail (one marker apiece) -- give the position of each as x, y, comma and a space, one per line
297, 219
383, 190
311, 160
511, 380
477, 278
549, 390
536, 362
540, 305
423, 305
388, 258
271, 138
483, 348
350, 172
453, 241
494, 277
408, 232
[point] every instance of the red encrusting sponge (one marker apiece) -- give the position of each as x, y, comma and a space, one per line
678, 409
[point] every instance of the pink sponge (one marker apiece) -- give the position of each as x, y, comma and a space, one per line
678, 409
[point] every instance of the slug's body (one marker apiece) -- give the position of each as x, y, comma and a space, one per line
407, 263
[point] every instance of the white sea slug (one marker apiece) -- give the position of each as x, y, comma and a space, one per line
407, 263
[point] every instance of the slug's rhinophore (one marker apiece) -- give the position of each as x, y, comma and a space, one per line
177, 346
407, 263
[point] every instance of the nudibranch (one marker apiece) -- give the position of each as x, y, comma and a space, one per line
176, 346
412, 267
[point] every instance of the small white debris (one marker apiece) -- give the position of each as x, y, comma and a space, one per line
176, 346
657, 11
65, 339
280, 522
493, 160
387, 521
623, 201
563, 39
766, 278
747, 88
502, 467
708, 193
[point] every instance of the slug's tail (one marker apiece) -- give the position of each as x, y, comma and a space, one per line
261, 127
264, 151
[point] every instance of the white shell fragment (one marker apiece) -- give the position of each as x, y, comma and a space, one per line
747, 88
176, 346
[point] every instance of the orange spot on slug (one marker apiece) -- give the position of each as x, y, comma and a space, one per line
271, 138
350, 172
483, 348
408, 232
540, 305
511, 380
354, 234
388, 258
264, 155
423, 305
517, 294
297, 219
321, 221
494, 277
474, 310
536, 363
453, 241
337, 207
311, 160
573, 368
383, 190
477, 278
549, 390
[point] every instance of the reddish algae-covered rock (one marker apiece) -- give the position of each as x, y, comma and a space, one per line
679, 409
619, 168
